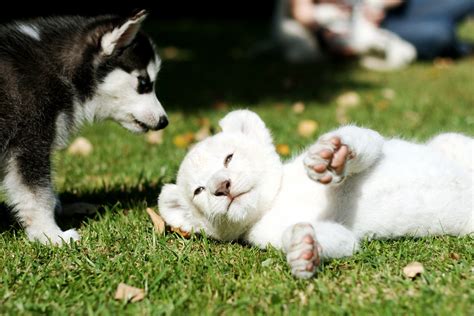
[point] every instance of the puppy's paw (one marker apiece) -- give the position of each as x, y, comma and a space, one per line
325, 161
303, 251
54, 237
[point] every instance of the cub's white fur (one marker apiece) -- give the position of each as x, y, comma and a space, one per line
233, 186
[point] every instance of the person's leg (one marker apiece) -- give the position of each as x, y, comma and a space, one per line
452, 10
431, 38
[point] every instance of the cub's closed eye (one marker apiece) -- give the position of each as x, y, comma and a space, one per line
228, 159
198, 190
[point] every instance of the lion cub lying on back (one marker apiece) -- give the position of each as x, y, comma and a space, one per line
350, 184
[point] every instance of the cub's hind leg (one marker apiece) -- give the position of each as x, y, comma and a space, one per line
457, 147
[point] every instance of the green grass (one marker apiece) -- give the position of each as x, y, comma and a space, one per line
201, 276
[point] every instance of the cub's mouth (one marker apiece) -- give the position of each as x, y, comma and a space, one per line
236, 197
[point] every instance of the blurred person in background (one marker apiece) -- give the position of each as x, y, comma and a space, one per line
306, 29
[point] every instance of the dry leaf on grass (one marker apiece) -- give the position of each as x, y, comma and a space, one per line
298, 107
203, 133
307, 128
158, 222
180, 232
283, 149
413, 269
129, 293
204, 122
155, 137
442, 63
81, 146
348, 99
344, 102
183, 140
170, 52
220, 106
454, 256
388, 93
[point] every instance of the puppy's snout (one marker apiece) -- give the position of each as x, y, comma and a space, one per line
162, 123
223, 188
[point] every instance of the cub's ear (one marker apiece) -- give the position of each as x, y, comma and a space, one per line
175, 209
248, 123
123, 34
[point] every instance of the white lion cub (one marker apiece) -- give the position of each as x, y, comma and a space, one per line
352, 183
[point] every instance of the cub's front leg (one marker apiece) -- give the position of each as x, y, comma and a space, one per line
340, 153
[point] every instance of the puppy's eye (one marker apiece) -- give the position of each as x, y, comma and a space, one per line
228, 159
198, 190
144, 85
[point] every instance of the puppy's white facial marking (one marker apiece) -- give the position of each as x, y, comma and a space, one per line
117, 98
153, 68
30, 30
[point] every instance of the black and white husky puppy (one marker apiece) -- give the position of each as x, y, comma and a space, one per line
56, 74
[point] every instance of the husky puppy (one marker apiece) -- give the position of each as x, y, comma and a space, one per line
351, 184
56, 74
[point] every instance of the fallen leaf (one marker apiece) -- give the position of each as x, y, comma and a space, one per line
220, 106
170, 52
388, 93
129, 293
155, 137
382, 104
180, 232
279, 106
298, 107
307, 128
267, 263
158, 222
344, 102
204, 122
203, 133
183, 140
413, 269
412, 117
348, 99
283, 149
442, 63
454, 256
81, 146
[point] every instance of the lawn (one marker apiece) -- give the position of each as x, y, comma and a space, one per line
206, 72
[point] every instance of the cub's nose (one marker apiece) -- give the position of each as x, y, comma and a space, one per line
162, 123
223, 188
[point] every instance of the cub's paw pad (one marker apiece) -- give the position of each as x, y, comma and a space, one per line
303, 251
325, 161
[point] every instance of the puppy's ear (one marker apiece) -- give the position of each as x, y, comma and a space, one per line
248, 123
123, 34
175, 209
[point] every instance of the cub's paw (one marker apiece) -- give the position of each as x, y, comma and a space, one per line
302, 251
54, 237
325, 161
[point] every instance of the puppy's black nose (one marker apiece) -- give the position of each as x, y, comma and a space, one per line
223, 188
162, 123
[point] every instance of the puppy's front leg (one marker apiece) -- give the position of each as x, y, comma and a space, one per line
340, 153
29, 191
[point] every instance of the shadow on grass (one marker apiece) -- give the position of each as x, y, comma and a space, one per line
123, 197
207, 62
